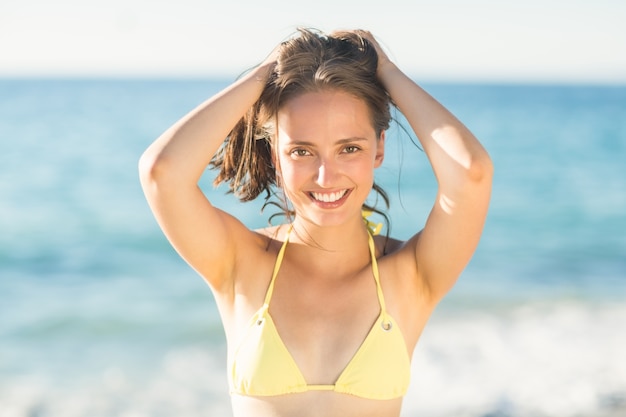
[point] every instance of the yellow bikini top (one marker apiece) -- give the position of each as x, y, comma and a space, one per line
262, 366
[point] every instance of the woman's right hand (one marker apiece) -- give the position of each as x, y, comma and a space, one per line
269, 63
208, 238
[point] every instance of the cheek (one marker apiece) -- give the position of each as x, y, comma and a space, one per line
290, 174
363, 168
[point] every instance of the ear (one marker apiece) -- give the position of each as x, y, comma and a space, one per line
380, 150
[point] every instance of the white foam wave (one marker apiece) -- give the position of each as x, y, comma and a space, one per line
564, 360
189, 382
549, 361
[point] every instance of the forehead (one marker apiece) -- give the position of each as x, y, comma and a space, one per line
325, 114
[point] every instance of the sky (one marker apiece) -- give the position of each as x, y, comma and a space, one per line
566, 41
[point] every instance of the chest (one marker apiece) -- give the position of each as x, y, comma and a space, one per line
322, 323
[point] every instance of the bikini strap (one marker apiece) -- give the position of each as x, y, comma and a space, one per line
281, 254
279, 261
379, 288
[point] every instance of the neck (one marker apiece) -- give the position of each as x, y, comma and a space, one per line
339, 238
334, 252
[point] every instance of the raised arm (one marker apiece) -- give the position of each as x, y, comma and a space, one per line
463, 171
206, 237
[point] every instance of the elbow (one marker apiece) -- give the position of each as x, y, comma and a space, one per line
160, 171
147, 167
480, 169
152, 168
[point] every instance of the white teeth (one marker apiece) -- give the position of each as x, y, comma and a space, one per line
329, 197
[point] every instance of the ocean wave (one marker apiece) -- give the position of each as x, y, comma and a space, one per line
538, 359
548, 360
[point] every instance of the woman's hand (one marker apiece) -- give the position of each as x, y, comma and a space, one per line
269, 63
383, 58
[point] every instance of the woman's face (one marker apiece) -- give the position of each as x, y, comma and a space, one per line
327, 150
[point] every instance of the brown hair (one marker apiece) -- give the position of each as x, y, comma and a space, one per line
308, 62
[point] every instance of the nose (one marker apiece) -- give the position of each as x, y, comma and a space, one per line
327, 173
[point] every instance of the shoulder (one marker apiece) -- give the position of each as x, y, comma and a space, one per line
272, 235
265, 243
386, 245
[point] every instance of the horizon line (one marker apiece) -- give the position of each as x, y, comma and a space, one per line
227, 78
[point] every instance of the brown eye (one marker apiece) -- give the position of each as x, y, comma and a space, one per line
300, 152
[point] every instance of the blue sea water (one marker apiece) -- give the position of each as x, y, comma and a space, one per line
99, 316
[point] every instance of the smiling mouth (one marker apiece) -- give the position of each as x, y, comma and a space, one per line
328, 197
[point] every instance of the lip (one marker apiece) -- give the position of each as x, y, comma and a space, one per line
330, 204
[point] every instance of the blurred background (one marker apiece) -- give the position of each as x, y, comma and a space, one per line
99, 316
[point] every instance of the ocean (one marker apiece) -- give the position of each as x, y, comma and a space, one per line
99, 317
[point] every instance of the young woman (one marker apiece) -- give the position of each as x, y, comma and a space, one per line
321, 317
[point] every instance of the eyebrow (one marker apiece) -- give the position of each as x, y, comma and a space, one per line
339, 142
